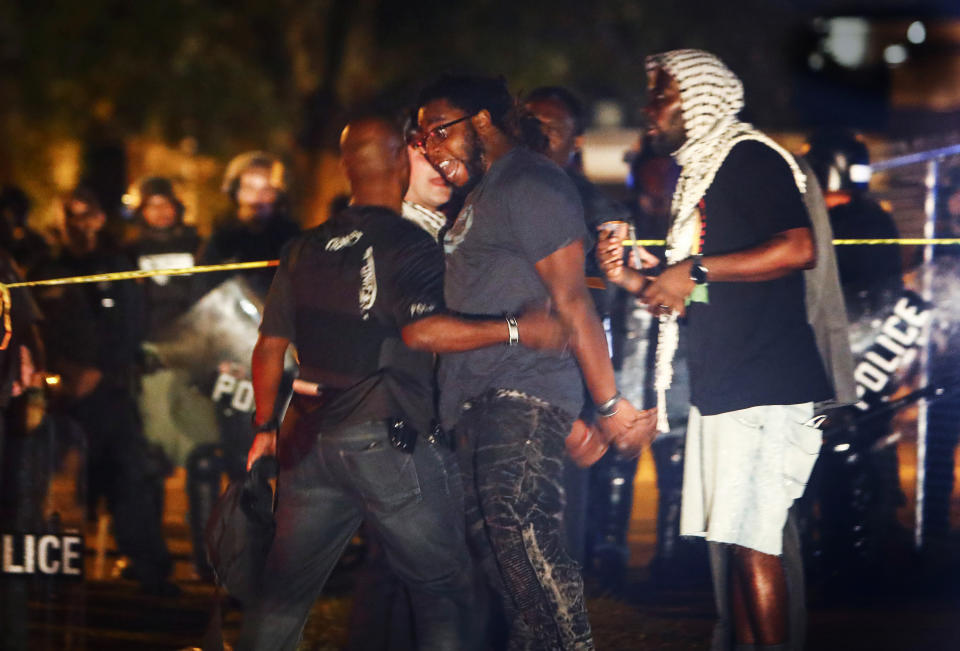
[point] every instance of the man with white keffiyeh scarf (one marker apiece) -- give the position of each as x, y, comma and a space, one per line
739, 238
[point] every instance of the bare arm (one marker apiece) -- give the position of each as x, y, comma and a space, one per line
610, 257
267, 371
446, 333
785, 252
562, 273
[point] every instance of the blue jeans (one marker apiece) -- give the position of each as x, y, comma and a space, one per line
413, 503
512, 450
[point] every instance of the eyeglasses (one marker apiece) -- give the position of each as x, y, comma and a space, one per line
438, 134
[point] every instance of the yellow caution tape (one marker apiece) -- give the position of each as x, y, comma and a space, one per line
238, 266
130, 275
902, 241
5, 301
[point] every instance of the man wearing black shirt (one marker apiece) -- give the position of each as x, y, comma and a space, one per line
739, 238
161, 240
92, 333
358, 296
381, 617
259, 224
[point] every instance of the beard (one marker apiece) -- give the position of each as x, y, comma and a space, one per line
665, 143
474, 158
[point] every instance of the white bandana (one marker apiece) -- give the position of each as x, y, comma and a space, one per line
711, 96
429, 220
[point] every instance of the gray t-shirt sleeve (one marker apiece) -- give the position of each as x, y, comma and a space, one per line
545, 211
279, 316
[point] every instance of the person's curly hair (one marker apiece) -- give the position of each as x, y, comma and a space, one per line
473, 93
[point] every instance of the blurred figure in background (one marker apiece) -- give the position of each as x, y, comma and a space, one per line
652, 179
859, 488
563, 122
257, 228
943, 416
258, 224
27, 450
161, 240
92, 334
27, 247
870, 275
176, 416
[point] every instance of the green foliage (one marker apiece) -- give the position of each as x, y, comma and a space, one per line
229, 73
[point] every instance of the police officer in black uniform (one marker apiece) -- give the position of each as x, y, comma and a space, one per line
92, 334
25, 246
258, 224
27, 453
858, 489
256, 228
161, 240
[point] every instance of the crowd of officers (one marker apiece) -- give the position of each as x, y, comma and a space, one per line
95, 338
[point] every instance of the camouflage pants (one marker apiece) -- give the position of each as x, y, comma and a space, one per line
512, 449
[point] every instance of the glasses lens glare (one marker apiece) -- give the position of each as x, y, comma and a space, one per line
415, 138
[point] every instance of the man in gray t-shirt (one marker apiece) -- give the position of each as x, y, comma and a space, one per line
521, 211
517, 243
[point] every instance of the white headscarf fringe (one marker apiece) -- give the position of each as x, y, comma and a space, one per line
711, 96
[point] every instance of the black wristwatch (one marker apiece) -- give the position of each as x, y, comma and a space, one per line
267, 426
698, 273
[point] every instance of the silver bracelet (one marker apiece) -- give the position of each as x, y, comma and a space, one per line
513, 330
608, 409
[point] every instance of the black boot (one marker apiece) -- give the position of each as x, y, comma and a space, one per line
204, 468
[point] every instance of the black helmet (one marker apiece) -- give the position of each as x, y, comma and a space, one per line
840, 161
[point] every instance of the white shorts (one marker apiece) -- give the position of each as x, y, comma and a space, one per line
742, 471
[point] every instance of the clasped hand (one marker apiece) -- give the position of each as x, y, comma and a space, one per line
629, 430
662, 294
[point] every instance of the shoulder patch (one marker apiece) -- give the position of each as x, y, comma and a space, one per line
419, 309
368, 284
344, 241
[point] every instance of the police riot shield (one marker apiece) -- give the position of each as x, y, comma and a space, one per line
205, 361
884, 482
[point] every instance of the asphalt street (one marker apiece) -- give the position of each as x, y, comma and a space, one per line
912, 602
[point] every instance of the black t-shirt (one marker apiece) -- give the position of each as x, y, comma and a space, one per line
871, 276
751, 344
342, 293
165, 297
91, 324
524, 209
